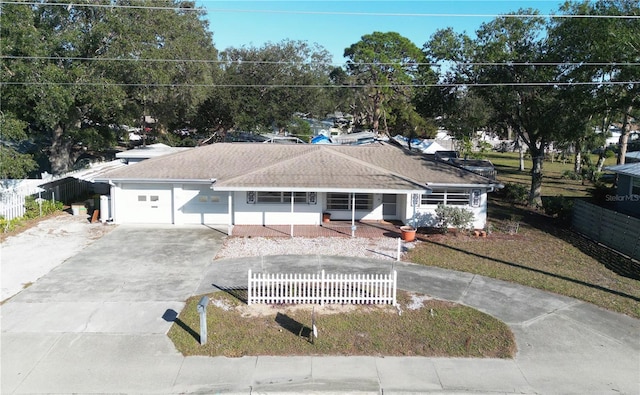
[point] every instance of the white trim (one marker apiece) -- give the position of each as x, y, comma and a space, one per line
322, 190
157, 181
449, 185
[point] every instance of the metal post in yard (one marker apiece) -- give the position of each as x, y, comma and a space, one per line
202, 310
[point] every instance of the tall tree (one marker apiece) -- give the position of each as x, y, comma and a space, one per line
384, 66
460, 110
609, 56
506, 53
267, 85
503, 68
75, 70
13, 162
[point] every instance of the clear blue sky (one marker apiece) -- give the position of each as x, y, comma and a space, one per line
335, 24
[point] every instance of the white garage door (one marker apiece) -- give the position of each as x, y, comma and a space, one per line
145, 204
200, 205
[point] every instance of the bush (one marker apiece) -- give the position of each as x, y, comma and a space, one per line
8, 225
558, 207
571, 175
32, 207
32, 210
453, 217
515, 193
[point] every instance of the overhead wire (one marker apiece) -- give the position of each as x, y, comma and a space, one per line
240, 62
70, 3
281, 62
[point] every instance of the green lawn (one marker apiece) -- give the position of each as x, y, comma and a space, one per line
507, 166
544, 253
426, 327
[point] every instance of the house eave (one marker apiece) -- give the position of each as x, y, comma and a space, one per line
320, 189
450, 185
156, 180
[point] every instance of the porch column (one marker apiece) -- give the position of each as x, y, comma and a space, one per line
353, 214
230, 210
292, 200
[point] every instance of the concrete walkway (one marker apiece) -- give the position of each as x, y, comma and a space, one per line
97, 324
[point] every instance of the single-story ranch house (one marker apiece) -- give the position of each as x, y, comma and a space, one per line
274, 184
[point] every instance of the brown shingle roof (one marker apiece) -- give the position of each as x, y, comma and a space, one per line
247, 166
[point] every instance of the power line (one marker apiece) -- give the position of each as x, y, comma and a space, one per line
329, 13
357, 86
428, 15
258, 62
71, 3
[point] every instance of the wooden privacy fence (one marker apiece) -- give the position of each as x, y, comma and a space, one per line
277, 288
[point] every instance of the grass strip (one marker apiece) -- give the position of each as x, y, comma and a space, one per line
425, 327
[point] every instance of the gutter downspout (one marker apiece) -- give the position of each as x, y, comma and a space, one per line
112, 204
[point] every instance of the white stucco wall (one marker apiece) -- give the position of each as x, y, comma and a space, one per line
426, 214
198, 204
275, 213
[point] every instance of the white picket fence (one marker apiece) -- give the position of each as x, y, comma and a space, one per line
314, 288
11, 205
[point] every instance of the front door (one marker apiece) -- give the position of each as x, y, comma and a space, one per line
389, 207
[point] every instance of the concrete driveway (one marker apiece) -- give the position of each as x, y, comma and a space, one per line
95, 324
122, 283
99, 316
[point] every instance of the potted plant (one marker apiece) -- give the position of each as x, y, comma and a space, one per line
407, 233
326, 217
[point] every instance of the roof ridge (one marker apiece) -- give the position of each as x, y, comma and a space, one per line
376, 167
293, 156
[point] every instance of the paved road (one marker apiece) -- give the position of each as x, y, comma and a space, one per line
95, 324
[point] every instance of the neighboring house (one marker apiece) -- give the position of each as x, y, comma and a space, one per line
356, 138
272, 184
632, 157
627, 197
141, 153
479, 166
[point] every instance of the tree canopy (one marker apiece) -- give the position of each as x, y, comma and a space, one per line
383, 67
540, 79
267, 85
72, 72
610, 55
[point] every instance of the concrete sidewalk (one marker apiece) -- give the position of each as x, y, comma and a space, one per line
97, 324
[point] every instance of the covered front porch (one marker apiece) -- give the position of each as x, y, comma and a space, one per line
366, 229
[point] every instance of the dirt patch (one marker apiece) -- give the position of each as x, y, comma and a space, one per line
264, 310
28, 224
